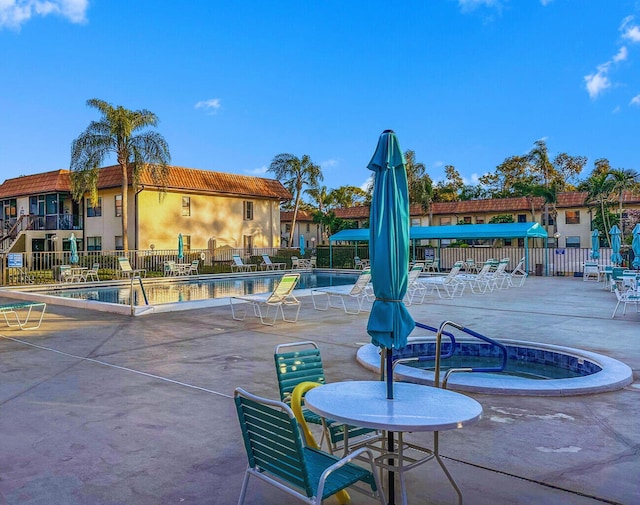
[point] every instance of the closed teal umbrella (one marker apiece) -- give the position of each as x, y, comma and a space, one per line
635, 246
389, 321
180, 247
301, 245
616, 257
595, 245
73, 248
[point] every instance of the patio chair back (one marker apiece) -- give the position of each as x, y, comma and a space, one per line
277, 455
299, 362
238, 260
125, 266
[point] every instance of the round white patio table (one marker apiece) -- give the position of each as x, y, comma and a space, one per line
415, 407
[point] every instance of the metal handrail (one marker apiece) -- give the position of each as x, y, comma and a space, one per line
472, 333
144, 293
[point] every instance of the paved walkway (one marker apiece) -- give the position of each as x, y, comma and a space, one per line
99, 408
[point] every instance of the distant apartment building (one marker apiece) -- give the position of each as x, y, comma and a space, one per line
211, 210
568, 222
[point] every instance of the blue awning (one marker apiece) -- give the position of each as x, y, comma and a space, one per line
461, 232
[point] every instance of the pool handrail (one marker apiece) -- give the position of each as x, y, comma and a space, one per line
412, 359
472, 333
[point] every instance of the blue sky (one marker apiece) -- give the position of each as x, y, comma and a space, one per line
462, 82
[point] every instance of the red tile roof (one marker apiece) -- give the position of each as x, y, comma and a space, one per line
179, 178
303, 215
25, 185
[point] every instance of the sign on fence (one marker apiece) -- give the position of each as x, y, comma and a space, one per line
14, 260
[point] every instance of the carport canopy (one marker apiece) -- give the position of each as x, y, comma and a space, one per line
451, 232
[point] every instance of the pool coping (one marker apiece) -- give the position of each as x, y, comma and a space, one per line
614, 375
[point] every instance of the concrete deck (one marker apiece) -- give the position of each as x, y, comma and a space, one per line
99, 408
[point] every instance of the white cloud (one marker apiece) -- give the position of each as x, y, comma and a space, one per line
365, 185
597, 83
621, 55
470, 5
630, 31
14, 13
257, 171
210, 106
635, 100
329, 164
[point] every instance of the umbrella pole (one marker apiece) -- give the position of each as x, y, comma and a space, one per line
390, 444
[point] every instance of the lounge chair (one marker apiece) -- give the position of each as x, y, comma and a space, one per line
65, 273
359, 292
92, 273
414, 287
126, 271
451, 283
267, 264
300, 263
239, 266
299, 362
518, 274
170, 268
278, 456
360, 264
281, 295
25, 308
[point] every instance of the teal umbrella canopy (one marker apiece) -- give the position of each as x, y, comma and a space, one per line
73, 248
180, 247
301, 245
635, 246
616, 257
389, 321
595, 245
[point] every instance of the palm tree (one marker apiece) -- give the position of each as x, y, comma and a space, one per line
623, 179
295, 173
599, 187
116, 134
538, 157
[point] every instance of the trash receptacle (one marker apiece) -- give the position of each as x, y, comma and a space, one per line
539, 269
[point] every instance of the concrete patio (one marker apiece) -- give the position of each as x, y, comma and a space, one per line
99, 408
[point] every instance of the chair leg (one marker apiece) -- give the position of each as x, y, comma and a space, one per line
243, 491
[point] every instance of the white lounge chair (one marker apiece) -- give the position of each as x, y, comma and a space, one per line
359, 292
517, 276
239, 266
193, 269
414, 286
281, 295
267, 264
450, 283
126, 271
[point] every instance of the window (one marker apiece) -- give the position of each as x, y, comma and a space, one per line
94, 243
119, 243
466, 219
94, 211
415, 221
186, 205
445, 221
248, 211
118, 205
573, 242
186, 242
572, 217
551, 220
479, 220
308, 227
247, 241
522, 218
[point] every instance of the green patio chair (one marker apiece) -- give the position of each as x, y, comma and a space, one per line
277, 455
298, 362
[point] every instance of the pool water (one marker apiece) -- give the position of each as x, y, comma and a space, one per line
171, 290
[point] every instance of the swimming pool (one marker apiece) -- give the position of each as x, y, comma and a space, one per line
533, 369
174, 293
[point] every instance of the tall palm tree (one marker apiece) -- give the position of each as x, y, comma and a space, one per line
120, 132
295, 174
623, 179
599, 187
538, 157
